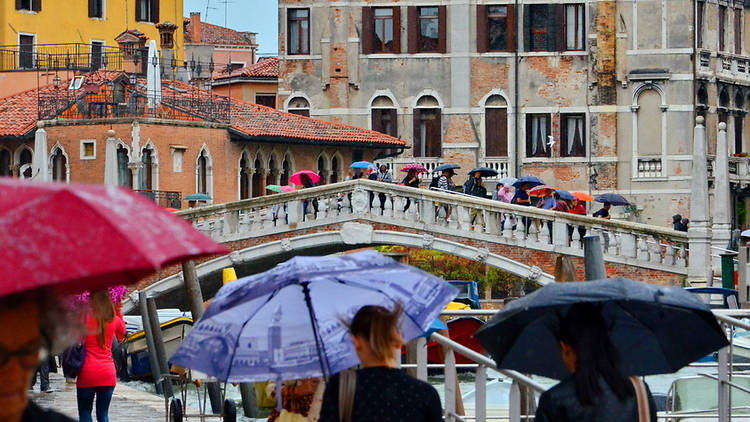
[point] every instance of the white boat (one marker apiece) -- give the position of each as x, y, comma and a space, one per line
174, 324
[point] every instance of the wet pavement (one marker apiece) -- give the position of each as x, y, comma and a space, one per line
128, 404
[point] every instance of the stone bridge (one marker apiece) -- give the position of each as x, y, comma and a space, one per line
360, 213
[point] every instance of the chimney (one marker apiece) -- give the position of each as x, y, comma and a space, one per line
196, 27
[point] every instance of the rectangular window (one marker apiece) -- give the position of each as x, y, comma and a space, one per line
381, 28
572, 135
429, 29
699, 23
88, 149
537, 135
268, 100
300, 112
574, 27
496, 132
25, 51
722, 27
544, 27
96, 8
738, 15
738, 131
97, 49
427, 132
495, 28
298, 31
147, 11
31, 5
384, 121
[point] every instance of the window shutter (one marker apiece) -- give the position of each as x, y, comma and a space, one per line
368, 31
91, 9
36, 5
417, 142
557, 33
564, 136
511, 29
526, 27
394, 122
412, 29
137, 10
396, 29
154, 11
435, 135
482, 29
528, 125
549, 132
376, 119
19, 5
496, 132
442, 30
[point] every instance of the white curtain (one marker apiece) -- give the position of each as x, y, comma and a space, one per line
543, 132
534, 133
570, 22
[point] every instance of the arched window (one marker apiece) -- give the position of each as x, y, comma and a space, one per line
427, 128
24, 164
496, 127
300, 106
723, 106
203, 172
147, 172
244, 176
286, 169
4, 162
59, 166
322, 170
258, 188
273, 170
335, 169
739, 117
124, 176
702, 100
384, 116
649, 123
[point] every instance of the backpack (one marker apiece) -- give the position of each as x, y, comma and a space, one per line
435, 181
469, 186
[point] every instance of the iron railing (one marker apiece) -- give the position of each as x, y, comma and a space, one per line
73, 57
166, 199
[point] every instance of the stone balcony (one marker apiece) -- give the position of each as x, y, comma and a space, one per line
724, 65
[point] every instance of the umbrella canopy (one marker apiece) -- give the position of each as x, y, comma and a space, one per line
296, 178
274, 188
153, 76
485, 171
414, 166
507, 180
656, 329
745, 233
171, 209
287, 188
582, 196
541, 190
528, 180
612, 198
287, 322
361, 165
77, 237
565, 195
446, 166
198, 197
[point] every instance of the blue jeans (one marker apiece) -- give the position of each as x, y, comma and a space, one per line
86, 403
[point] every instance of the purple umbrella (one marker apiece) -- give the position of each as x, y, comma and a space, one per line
287, 323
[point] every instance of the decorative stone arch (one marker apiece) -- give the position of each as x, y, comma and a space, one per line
495, 92
51, 162
346, 239
208, 167
287, 167
425, 94
337, 168
323, 166
259, 171
427, 125
701, 99
22, 162
6, 161
648, 163
154, 158
291, 107
274, 168
383, 93
244, 174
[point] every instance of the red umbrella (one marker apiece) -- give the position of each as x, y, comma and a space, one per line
414, 166
541, 190
296, 178
77, 237
287, 188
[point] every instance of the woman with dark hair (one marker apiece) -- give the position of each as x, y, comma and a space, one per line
381, 392
98, 376
411, 180
308, 183
596, 390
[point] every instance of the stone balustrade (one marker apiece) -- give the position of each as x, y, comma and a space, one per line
438, 213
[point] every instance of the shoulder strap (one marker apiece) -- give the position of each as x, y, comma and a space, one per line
641, 398
347, 385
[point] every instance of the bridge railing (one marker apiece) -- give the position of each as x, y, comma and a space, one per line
443, 212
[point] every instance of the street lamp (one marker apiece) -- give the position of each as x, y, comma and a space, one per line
56, 81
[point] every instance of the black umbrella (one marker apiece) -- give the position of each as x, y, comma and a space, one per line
612, 198
447, 166
528, 180
485, 171
656, 329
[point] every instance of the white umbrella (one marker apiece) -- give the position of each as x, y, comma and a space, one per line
153, 76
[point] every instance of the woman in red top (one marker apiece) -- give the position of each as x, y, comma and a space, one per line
97, 377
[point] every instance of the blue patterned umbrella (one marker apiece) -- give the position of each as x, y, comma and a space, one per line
361, 165
612, 198
287, 323
565, 195
528, 180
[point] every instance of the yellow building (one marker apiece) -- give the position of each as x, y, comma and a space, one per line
92, 22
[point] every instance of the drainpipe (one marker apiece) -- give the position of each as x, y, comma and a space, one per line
516, 106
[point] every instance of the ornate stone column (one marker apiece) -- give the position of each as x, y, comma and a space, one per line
110, 159
721, 227
699, 233
39, 165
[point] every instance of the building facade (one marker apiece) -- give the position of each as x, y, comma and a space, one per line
599, 96
256, 83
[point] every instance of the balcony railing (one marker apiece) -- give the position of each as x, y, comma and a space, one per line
165, 199
499, 164
73, 57
649, 167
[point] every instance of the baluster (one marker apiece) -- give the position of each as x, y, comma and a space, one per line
576, 239
411, 213
670, 255
533, 231
544, 237
426, 211
257, 221
628, 245
655, 251
375, 208
480, 394
388, 206
681, 255
614, 243
218, 229
346, 205
520, 232
399, 202
322, 208
267, 218
492, 222
507, 226
463, 217
559, 232
231, 222
294, 212
281, 215
642, 248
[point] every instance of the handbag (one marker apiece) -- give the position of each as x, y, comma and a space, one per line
72, 360
347, 385
642, 399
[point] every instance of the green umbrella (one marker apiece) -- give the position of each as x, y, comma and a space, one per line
197, 197
274, 188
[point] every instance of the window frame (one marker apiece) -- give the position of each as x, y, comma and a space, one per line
152, 11
722, 30
529, 127
738, 24
421, 39
31, 54
484, 28
699, 22
577, 151
431, 149
100, 61
34, 6
83, 144
414, 29
267, 96
97, 6
382, 21
553, 28
303, 50
376, 120
501, 141
580, 27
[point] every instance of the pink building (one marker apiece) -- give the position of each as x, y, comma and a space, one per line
207, 43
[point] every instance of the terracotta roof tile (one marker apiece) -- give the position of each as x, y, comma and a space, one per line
215, 34
267, 68
18, 117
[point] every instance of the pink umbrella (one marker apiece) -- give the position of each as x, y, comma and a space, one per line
414, 166
296, 178
287, 188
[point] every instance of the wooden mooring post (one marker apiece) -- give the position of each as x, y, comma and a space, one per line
150, 343
161, 354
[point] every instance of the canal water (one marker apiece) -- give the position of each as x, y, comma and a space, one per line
498, 389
